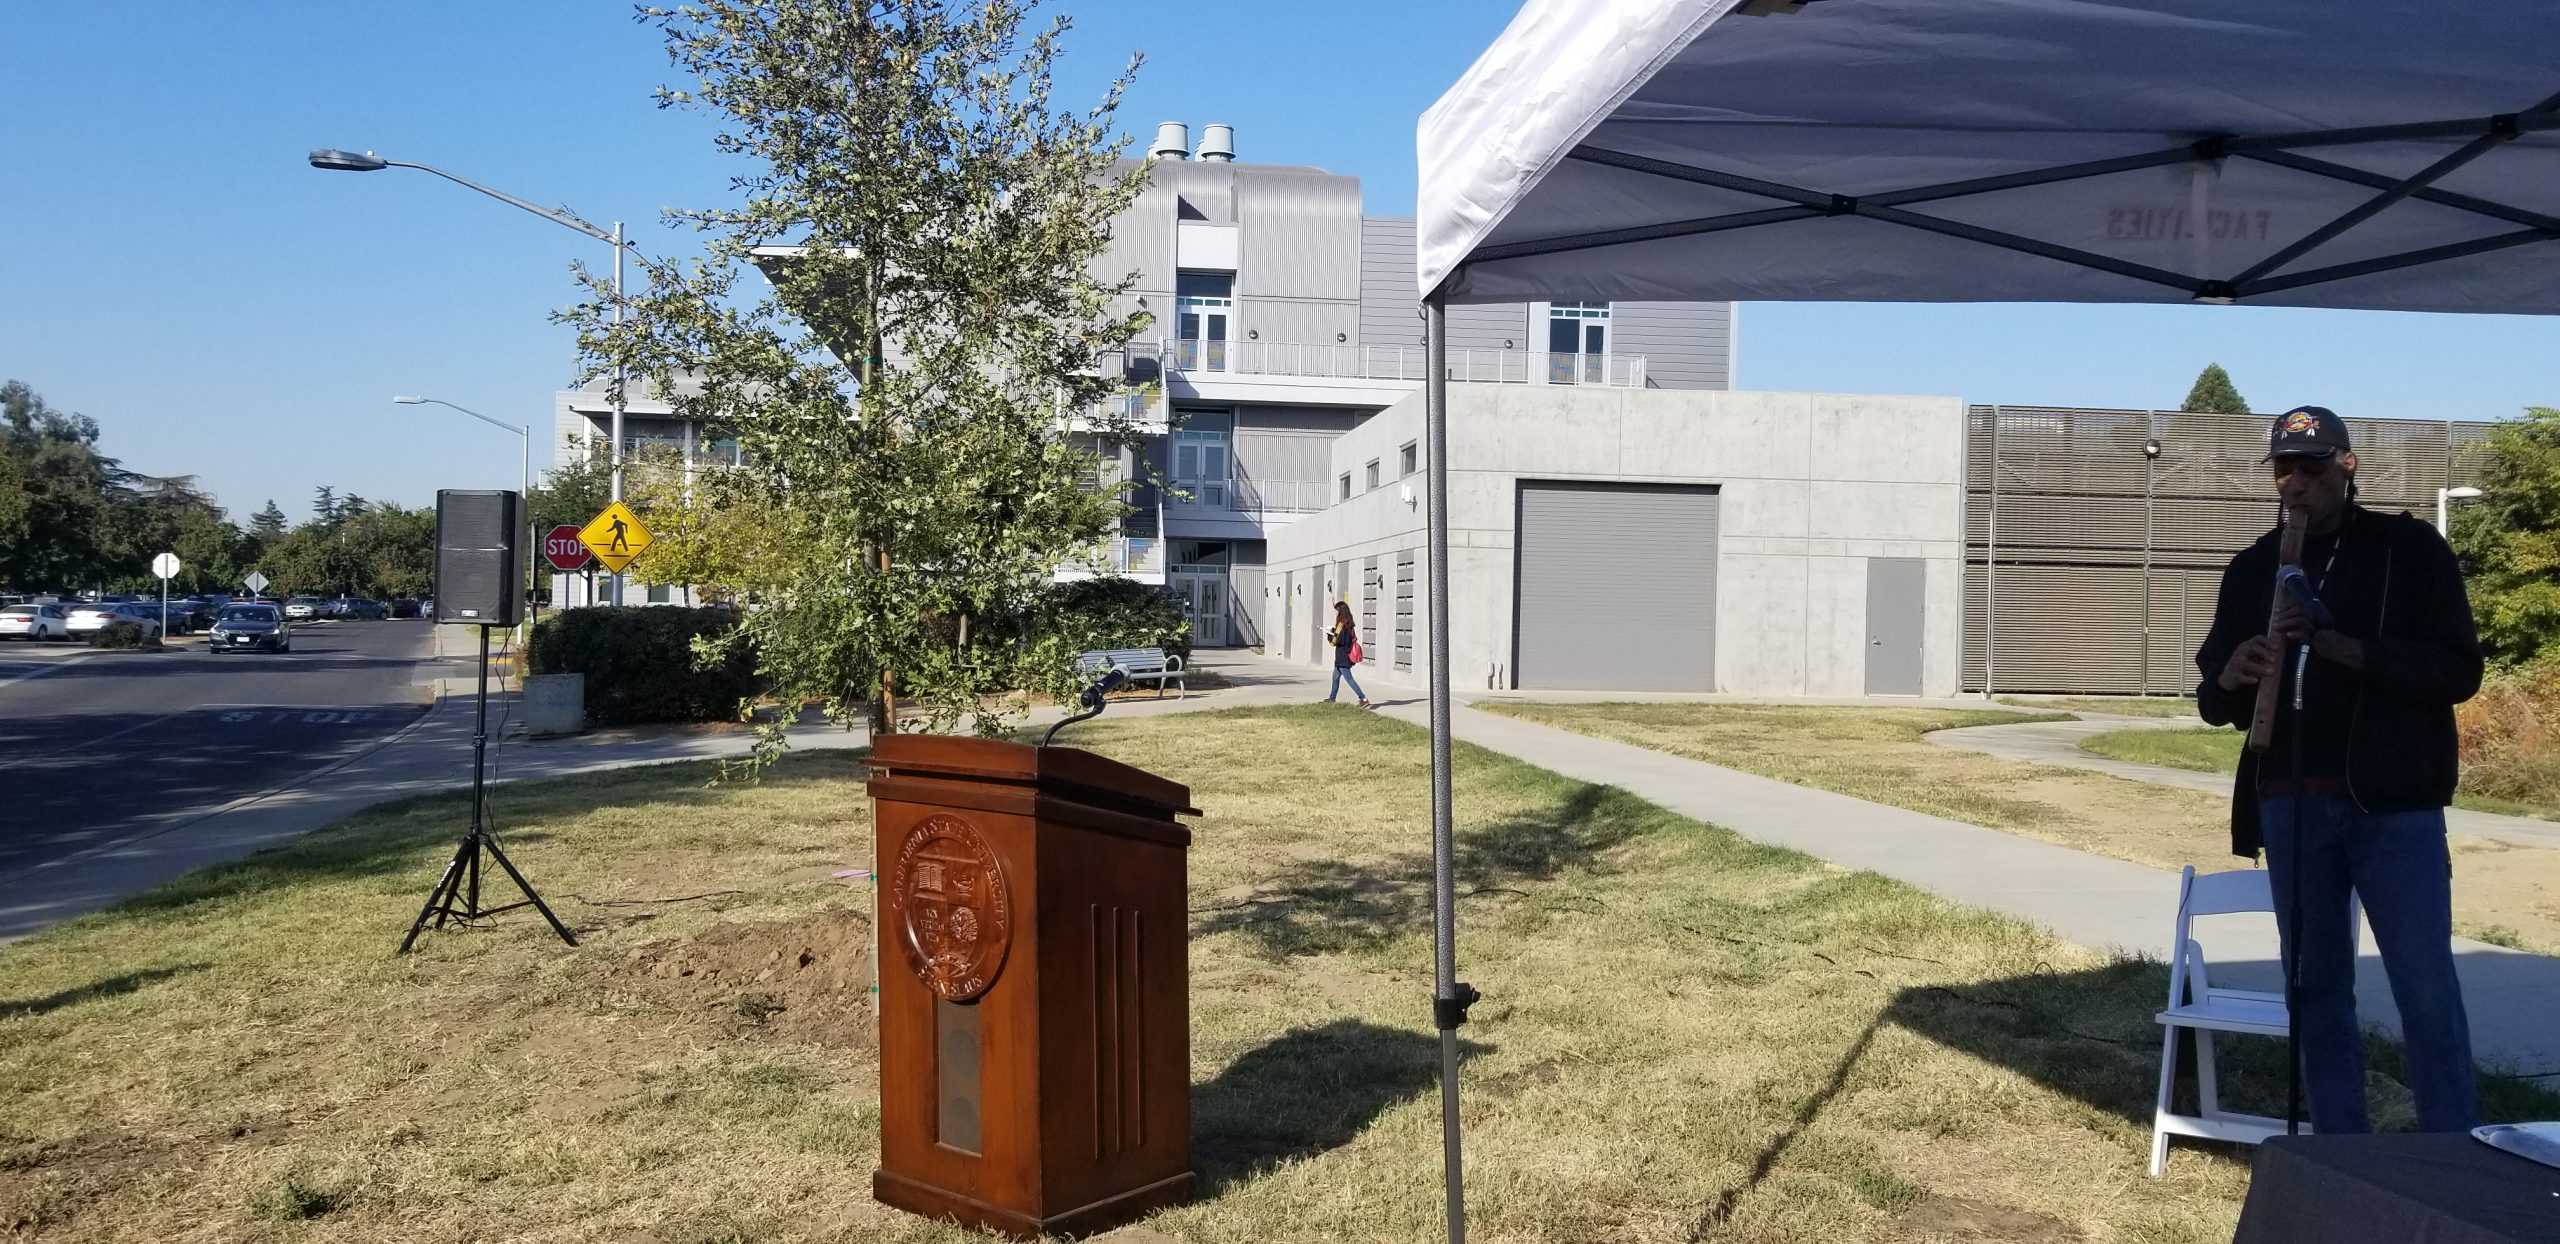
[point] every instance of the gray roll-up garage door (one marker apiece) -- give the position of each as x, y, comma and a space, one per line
1617, 587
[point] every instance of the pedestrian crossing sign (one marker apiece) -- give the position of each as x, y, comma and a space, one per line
615, 537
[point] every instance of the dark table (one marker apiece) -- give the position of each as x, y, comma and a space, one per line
2444, 1188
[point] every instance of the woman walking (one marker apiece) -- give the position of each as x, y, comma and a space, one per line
1346, 653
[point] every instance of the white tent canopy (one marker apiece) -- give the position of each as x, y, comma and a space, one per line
2399, 154
2388, 154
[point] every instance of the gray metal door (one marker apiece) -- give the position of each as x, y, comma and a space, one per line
1897, 613
1616, 587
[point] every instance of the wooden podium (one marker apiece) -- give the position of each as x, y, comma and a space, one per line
1035, 1013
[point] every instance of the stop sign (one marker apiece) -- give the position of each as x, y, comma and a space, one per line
563, 549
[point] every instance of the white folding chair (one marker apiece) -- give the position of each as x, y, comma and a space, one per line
2197, 1004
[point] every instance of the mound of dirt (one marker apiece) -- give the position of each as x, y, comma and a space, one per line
803, 980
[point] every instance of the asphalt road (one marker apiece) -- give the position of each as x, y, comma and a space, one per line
99, 750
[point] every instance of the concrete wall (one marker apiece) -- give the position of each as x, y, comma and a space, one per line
1812, 485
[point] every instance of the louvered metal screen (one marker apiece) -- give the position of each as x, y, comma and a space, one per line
1404, 610
2074, 537
1369, 592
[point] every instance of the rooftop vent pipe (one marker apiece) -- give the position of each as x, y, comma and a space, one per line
1218, 143
1173, 141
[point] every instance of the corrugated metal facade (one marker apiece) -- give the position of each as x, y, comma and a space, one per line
2075, 539
1686, 345
1298, 236
1389, 313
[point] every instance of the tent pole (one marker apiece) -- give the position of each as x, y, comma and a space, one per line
1450, 997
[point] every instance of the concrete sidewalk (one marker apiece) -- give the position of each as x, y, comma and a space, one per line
2101, 903
2058, 743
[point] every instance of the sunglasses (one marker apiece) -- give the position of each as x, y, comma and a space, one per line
2308, 468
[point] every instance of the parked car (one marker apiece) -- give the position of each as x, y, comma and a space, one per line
357, 608
250, 628
303, 608
35, 623
90, 619
405, 608
201, 611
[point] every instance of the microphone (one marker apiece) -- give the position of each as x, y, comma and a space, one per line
1092, 700
2296, 584
1110, 681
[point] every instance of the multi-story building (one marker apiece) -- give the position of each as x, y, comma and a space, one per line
1284, 319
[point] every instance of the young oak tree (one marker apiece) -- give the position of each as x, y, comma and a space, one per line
929, 226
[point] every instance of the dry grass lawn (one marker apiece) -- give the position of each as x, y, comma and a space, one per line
1686, 1037
2502, 892
2214, 749
2108, 705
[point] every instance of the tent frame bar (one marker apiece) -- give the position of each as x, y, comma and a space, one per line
2485, 134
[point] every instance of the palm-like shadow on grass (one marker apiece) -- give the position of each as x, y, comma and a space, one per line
1305, 1092
104, 987
1332, 905
2090, 1035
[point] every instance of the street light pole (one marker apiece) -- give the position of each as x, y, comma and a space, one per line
524, 464
618, 379
2444, 499
341, 161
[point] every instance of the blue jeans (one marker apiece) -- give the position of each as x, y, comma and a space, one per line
1341, 675
2396, 862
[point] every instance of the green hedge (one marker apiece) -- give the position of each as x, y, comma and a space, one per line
639, 662
122, 635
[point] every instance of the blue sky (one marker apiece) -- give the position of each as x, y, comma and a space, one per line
169, 264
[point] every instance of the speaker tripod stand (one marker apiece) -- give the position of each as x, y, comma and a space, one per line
461, 880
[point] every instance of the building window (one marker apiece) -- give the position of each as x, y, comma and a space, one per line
1577, 342
1373, 473
1408, 459
1203, 302
660, 593
1345, 485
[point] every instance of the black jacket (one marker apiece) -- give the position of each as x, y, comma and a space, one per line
2394, 585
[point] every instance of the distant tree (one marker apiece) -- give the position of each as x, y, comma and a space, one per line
2509, 540
324, 504
55, 495
268, 525
572, 493
2214, 395
385, 550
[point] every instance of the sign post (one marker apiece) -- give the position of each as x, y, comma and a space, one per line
616, 537
166, 566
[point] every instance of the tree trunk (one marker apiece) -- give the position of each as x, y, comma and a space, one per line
884, 704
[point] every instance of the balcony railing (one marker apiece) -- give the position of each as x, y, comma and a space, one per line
1251, 496
1124, 555
1350, 362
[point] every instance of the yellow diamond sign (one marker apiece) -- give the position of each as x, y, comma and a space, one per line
615, 537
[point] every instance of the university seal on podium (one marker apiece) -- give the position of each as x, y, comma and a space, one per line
955, 915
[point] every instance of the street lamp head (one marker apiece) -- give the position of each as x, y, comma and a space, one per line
347, 161
406, 400
2463, 492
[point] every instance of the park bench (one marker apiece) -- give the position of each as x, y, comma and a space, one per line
1140, 664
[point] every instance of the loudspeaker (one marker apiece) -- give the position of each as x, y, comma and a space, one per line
479, 556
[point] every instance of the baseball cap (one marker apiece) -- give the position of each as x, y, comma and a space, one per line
2307, 432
